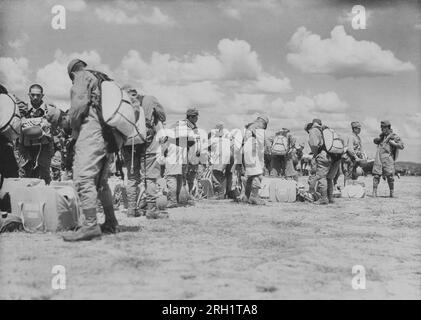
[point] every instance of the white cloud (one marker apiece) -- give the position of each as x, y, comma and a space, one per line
329, 102
417, 26
235, 65
54, 78
14, 73
177, 98
236, 9
341, 55
131, 13
238, 60
20, 42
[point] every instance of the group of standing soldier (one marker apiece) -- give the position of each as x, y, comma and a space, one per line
88, 149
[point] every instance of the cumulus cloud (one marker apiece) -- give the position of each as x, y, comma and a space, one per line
53, 76
236, 64
341, 55
236, 9
132, 13
14, 73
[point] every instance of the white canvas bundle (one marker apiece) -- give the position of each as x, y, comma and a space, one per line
10, 122
117, 109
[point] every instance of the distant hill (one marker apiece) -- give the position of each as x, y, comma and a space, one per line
410, 168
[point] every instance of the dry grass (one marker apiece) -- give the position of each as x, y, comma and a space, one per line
224, 250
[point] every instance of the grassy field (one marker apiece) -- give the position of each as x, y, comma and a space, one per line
224, 250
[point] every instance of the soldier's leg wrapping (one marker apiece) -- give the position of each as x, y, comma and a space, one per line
376, 181
44, 162
322, 169
249, 182
290, 171
191, 175
255, 188
332, 176
275, 165
391, 183
172, 194
104, 192
228, 179
133, 176
151, 169
219, 188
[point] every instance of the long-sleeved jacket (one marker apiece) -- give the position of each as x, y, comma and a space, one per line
386, 155
253, 148
354, 146
84, 92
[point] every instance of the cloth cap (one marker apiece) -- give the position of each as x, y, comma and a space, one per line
264, 118
192, 112
128, 88
317, 121
355, 124
385, 123
72, 64
219, 125
308, 126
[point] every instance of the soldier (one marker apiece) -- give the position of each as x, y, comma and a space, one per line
37, 151
146, 167
193, 150
254, 143
354, 153
220, 156
326, 164
282, 160
93, 155
388, 146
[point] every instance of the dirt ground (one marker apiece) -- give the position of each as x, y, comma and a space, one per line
224, 250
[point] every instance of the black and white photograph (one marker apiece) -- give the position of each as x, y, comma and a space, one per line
199, 150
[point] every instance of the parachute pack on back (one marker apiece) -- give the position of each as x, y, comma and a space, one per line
10, 121
332, 142
280, 145
116, 108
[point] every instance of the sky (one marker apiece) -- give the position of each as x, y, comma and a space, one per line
233, 59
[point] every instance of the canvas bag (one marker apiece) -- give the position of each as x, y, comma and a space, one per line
332, 143
10, 120
280, 145
47, 208
353, 191
281, 190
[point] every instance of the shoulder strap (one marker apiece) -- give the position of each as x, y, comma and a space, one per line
100, 75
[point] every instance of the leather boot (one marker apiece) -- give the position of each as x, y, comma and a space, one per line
89, 230
374, 193
152, 212
110, 225
255, 197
